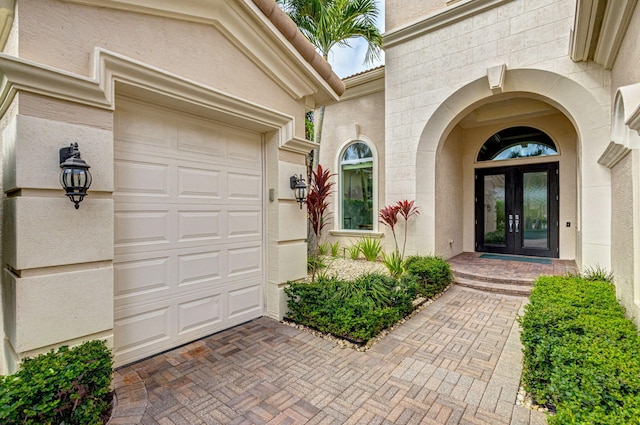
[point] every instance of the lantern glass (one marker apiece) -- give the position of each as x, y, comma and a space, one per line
75, 177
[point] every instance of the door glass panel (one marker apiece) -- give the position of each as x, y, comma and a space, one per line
494, 210
534, 210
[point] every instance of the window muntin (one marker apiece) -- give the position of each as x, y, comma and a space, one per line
517, 142
356, 174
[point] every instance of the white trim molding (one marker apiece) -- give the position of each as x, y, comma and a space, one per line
624, 137
454, 12
365, 83
109, 68
599, 28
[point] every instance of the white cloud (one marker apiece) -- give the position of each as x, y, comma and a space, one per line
350, 60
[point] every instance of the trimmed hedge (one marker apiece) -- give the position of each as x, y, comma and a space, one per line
581, 354
433, 273
359, 310
70, 386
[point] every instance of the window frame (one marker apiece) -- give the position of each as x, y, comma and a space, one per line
338, 199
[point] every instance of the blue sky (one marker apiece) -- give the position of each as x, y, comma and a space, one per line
349, 60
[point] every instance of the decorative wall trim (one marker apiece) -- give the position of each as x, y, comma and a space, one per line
364, 83
603, 24
255, 34
613, 154
7, 8
109, 68
455, 12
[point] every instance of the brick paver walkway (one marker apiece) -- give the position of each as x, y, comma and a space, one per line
456, 362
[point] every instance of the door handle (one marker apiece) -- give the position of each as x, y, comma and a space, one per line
517, 222
511, 223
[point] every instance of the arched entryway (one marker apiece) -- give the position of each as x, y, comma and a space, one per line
447, 160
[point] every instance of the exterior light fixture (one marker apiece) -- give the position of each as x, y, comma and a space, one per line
75, 177
299, 188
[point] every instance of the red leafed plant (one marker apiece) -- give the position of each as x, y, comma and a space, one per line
319, 190
389, 217
406, 209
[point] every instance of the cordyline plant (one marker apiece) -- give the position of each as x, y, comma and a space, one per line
389, 217
319, 190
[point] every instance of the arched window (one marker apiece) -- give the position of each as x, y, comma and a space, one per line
517, 142
356, 178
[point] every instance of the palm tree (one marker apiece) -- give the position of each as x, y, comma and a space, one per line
329, 23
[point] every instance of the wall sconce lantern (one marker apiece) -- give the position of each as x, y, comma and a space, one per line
75, 177
299, 188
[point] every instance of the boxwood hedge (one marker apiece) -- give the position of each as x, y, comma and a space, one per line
70, 386
581, 354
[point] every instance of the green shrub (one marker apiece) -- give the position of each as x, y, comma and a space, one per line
434, 273
70, 386
580, 352
394, 263
370, 248
323, 248
357, 310
354, 251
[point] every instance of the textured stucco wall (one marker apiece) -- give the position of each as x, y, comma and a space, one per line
622, 226
625, 69
360, 118
449, 65
450, 192
401, 12
64, 35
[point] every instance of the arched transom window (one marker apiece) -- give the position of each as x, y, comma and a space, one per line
356, 177
517, 142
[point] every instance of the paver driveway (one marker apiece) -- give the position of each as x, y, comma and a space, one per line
456, 362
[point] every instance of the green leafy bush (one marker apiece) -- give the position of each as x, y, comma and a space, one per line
580, 352
70, 386
357, 310
335, 249
353, 251
360, 309
434, 273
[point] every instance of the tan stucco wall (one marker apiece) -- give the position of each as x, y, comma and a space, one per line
435, 78
623, 223
341, 127
401, 12
62, 257
625, 69
64, 35
450, 194
625, 199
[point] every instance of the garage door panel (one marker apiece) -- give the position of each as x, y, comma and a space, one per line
141, 179
143, 126
142, 227
138, 277
200, 225
199, 183
243, 223
245, 301
138, 330
200, 313
200, 268
244, 260
244, 186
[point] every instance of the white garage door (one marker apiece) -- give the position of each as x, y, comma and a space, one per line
188, 229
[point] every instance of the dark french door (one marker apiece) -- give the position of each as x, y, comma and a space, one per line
517, 210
